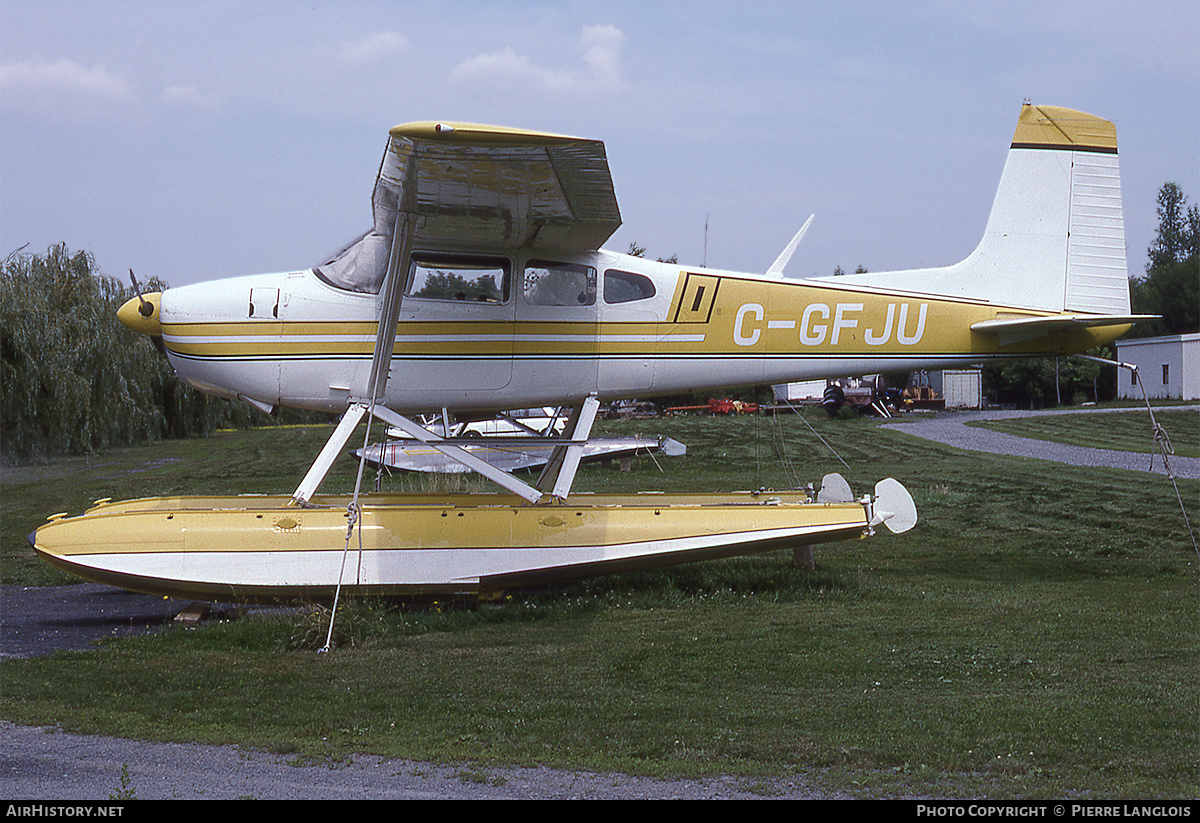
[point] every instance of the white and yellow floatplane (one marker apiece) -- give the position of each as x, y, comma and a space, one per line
261, 548
482, 285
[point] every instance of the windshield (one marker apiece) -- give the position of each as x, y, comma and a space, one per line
361, 265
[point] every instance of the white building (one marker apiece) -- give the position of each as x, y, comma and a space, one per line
1168, 366
963, 388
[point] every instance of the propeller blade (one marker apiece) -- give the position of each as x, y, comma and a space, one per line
146, 308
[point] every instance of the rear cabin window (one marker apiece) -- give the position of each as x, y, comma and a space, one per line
454, 277
625, 287
559, 284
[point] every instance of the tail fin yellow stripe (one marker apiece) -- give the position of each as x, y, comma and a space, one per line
1050, 127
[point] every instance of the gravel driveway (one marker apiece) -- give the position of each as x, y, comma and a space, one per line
952, 430
46, 764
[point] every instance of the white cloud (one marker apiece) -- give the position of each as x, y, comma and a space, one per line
372, 48
506, 65
602, 55
601, 71
190, 97
63, 88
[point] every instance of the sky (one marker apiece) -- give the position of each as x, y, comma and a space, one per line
192, 141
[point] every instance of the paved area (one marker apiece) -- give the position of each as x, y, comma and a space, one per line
43, 620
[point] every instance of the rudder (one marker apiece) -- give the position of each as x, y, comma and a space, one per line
1055, 239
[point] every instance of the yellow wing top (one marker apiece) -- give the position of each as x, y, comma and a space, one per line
478, 134
478, 186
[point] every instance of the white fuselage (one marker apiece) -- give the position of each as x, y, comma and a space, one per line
294, 340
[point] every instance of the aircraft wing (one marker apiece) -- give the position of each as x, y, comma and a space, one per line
473, 186
1017, 330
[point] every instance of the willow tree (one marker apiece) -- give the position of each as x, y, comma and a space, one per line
75, 380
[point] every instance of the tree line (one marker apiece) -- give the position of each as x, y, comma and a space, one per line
75, 380
1171, 285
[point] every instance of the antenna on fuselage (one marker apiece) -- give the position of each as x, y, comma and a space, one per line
776, 269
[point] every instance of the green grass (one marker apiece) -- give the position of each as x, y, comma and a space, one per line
1034, 636
1123, 431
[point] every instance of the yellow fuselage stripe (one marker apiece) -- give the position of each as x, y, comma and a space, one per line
710, 316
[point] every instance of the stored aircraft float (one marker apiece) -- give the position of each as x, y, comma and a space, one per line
482, 285
529, 438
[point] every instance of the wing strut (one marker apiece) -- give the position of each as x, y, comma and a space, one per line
414, 429
385, 340
559, 472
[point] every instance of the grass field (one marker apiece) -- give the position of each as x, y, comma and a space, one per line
1034, 636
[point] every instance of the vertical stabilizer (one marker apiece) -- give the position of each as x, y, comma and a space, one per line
1060, 212
1055, 239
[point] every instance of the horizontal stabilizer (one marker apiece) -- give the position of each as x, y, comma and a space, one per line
1020, 329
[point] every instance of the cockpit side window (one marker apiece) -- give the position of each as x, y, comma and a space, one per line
459, 277
559, 284
625, 287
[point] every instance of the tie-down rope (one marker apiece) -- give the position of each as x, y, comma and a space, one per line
353, 519
1161, 440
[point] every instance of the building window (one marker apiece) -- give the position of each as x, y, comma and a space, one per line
1166, 374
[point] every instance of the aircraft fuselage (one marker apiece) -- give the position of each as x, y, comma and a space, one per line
539, 332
